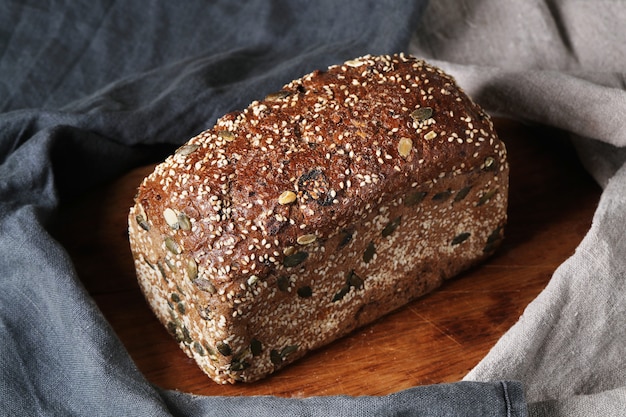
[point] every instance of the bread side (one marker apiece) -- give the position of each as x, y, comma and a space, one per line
316, 210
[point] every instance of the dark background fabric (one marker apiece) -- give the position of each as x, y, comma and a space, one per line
89, 90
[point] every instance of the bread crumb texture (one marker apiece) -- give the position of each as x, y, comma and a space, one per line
322, 207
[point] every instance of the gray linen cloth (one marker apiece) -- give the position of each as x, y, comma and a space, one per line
559, 63
89, 90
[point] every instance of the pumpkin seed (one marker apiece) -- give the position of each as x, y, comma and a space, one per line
205, 285
161, 269
463, 192
227, 135
211, 352
205, 312
442, 196
287, 197
306, 239
171, 218
239, 364
224, 348
430, 135
414, 198
487, 196
172, 328
192, 269
391, 226
354, 280
345, 238
256, 348
288, 350
149, 264
179, 332
277, 357
183, 221
305, 291
295, 259
172, 246
283, 283
171, 265
142, 222
341, 293
289, 250
181, 308
186, 336
460, 238
186, 149
490, 164
198, 348
369, 252
277, 95
175, 297
421, 114
495, 235
404, 147
493, 240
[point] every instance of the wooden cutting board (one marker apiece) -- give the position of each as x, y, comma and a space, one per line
435, 339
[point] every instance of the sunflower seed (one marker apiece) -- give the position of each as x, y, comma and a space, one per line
354, 63
404, 147
287, 197
306, 239
430, 135
171, 218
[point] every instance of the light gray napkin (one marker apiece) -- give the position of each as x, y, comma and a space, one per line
559, 63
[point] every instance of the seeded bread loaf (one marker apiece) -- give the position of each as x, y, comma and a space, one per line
316, 210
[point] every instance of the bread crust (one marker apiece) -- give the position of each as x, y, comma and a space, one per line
339, 198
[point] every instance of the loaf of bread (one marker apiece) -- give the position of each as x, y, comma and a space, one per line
314, 211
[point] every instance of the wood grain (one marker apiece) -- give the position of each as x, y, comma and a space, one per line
437, 338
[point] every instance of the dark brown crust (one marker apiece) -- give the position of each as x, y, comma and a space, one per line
332, 138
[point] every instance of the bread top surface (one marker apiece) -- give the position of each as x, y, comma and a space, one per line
312, 159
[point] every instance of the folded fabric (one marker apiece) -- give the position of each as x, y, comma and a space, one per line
561, 64
90, 90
